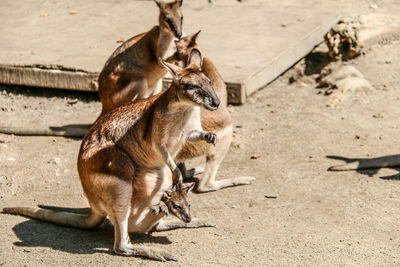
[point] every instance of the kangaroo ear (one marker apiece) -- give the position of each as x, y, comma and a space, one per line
193, 39
180, 2
175, 70
178, 186
159, 3
186, 188
195, 60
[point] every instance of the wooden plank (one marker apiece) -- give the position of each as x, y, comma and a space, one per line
79, 80
283, 61
245, 40
48, 77
236, 93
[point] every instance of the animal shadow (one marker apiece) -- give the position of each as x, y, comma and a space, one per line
316, 61
369, 166
34, 233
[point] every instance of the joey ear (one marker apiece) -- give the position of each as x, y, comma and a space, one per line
186, 188
167, 194
178, 186
193, 39
175, 70
195, 60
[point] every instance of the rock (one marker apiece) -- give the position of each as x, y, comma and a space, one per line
344, 83
342, 40
347, 38
373, 6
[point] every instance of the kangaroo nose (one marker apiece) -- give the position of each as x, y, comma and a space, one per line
179, 34
188, 219
216, 102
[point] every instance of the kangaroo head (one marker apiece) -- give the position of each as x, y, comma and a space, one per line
191, 84
176, 201
185, 45
171, 16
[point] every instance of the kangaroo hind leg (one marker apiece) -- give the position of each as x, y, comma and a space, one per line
214, 157
166, 225
189, 174
117, 191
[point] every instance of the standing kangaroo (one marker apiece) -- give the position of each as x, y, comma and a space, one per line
126, 165
132, 71
218, 122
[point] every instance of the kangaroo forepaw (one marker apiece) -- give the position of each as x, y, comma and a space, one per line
211, 138
159, 208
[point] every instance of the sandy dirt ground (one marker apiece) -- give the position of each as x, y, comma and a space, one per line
295, 214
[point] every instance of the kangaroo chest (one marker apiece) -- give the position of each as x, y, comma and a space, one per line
183, 123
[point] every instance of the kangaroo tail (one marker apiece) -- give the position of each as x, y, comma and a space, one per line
67, 131
82, 221
73, 210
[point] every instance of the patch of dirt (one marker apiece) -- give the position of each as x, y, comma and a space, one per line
295, 214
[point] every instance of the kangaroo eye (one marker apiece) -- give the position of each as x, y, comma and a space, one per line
168, 20
191, 87
176, 207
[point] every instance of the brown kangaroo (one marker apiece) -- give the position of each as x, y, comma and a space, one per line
126, 165
131, 72
218, 122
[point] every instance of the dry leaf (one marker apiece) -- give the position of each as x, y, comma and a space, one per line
72, 101
73, 12
120, 40
43, 15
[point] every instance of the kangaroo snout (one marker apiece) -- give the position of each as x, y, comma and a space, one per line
187, 218
216, 102
212, 104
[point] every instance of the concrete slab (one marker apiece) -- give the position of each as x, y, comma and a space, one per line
64, 44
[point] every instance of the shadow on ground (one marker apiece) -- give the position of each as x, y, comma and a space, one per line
49, 92
316, 62
33, 233
368, 166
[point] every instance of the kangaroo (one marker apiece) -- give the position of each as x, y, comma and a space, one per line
218, 122
130, 73
175, 201
133, 71
125, 162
